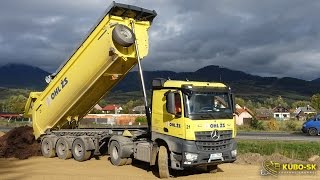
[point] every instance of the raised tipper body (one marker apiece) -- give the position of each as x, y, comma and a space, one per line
94, 68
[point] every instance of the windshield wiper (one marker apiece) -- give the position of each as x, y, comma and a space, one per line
208, 113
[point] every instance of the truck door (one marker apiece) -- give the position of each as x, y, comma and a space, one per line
164, 122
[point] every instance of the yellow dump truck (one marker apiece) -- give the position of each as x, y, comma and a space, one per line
190, 123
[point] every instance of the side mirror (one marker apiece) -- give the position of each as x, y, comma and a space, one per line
233, 103
170, 104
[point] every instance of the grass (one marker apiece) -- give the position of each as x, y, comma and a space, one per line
292, 149
11, 124
274, 126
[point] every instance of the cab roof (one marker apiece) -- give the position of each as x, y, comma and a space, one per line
164, 83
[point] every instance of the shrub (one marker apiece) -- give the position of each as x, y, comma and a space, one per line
256, 124
291, 125
141, 119
272, 125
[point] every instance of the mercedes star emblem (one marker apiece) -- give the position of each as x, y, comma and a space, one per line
215, 135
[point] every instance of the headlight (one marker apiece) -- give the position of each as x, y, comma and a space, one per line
304, 125
234, 153
191, 156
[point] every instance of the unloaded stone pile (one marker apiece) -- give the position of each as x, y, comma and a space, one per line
19, 143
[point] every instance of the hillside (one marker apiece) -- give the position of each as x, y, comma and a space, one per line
316, 80
22, 76
243, 84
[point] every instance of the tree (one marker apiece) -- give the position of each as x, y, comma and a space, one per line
16, 104
300, 104
127, 108
102, 102
269, 102
280, 102
240, 101
249, 104
258, 105
315, 101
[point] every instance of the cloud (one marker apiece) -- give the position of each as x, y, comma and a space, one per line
269, 38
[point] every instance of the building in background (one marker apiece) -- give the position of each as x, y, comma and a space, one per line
303, 113
97, 107
264, 113
281, 113
139, 110
243, 115
112, 109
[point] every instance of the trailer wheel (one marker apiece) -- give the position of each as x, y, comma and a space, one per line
123, 35
47, 148
62, 149
163, 162
313, 132
115, 155
212, 168
79, 151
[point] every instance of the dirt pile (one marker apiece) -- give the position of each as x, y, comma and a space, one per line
257, 159
19, 143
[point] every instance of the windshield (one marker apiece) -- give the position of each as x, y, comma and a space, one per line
209, 106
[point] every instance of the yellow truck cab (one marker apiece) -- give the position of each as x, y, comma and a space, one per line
199, 129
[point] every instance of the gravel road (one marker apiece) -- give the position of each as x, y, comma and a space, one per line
37, 168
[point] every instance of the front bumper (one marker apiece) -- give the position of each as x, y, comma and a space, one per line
203, 156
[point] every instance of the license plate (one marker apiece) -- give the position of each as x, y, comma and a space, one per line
215, 156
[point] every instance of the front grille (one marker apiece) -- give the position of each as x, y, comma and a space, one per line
204, 142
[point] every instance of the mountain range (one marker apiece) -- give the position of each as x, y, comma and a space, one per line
22, 76
243, 84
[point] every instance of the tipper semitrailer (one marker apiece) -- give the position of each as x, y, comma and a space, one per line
189, 123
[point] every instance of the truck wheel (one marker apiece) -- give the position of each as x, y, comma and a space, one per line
47, 148
128, 161
212, 168
62, 149
163, 162
115, 155
79, 150
123, 35
313, 132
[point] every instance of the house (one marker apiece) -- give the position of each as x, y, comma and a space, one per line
281, 113
112, 108
264, 113
139, 110
12, 116
303, 113
243, 115
97, 107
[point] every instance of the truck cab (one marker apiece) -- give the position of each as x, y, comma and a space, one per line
194, 121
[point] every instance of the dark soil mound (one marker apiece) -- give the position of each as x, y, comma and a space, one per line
19, 143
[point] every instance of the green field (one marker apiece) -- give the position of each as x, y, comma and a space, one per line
292, 149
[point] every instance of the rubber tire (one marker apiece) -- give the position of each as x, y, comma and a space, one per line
66, 153
114, 154
48, 145
212, 168
119, 37
313, 132
163, 164
80, 156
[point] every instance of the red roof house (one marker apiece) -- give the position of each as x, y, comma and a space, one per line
111, 108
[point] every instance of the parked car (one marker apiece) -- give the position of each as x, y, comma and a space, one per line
312, 126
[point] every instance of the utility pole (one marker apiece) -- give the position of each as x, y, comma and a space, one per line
220, 73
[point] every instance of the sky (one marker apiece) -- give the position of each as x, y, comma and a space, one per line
260, 37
